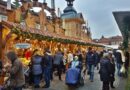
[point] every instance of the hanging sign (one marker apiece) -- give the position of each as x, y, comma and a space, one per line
23, 45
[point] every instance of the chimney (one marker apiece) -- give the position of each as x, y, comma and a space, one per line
53, 4
44, 1
35, 0
58, 12
9, 4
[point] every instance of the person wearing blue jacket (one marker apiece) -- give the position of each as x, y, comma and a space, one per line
76, 63
58, 63
36, 68
91, 63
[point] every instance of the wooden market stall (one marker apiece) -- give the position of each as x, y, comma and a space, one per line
27, 30
13, 33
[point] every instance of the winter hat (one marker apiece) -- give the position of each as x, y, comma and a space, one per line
76, 58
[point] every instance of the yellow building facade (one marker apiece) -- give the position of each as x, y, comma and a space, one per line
74, 23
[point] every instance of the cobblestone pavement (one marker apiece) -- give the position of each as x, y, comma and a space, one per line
96, 85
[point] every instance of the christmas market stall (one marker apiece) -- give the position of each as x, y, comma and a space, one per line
26, 31
16, 37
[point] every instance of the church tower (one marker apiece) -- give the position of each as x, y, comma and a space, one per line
72, 21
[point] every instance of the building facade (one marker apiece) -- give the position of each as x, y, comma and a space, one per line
74, 23
3, 12
70, 23
115, 40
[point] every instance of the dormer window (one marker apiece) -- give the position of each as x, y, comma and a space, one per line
45, 28
38, 26
2, 17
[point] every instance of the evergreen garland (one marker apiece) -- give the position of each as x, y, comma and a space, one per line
126, 32
39, 37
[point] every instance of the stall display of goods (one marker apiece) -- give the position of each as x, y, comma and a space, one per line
25, 61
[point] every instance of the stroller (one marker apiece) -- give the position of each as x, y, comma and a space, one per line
74, 77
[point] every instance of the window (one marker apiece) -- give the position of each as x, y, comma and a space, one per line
38, 26
45, 27
2, 17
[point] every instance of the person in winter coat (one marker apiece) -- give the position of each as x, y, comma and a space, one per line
97, 59
112, 65
31, 81
105, 71
58, 63
47, 67
64, 62
80, 56
17, 78
70, 57
36, 68
76, 63
90, 63
119, 61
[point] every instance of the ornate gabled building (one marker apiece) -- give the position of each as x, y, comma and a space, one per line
70, 23
36, 20
74, 23
68, 32
3, 12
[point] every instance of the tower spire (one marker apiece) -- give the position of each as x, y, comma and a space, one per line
70, 2
9, 4
44, 1
53, 4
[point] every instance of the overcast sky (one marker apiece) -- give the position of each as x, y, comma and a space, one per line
98, 13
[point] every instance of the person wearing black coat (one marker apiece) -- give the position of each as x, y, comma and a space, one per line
91, 63
105, 71
118, 61
47, 61
112, 65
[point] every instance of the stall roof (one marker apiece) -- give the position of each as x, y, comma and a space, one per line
119, 17
46, 33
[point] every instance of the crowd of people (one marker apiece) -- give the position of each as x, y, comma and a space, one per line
108, 64
46, 67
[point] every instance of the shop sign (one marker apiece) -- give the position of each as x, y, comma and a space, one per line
23, 45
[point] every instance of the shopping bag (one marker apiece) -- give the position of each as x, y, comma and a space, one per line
123, 70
